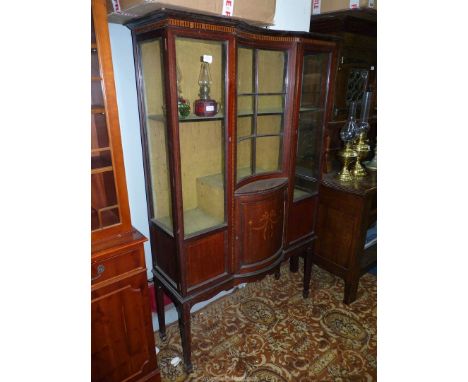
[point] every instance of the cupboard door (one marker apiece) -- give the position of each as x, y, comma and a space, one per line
260, 224
314, 91
261, 99
123, 341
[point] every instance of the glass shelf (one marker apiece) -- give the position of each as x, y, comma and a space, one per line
190, 118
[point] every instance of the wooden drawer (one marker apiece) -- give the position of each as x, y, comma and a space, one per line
115, 265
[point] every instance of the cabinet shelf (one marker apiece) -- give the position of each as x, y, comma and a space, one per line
100, 170
100, 150
190, 118
196, 220
98, 109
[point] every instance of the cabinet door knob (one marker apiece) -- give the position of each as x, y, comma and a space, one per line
100, 270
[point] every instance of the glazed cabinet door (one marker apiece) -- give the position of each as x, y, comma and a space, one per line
122, 346
109, 201
312, 114
261, 121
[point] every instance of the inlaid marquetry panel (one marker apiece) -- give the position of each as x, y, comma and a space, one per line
259, 235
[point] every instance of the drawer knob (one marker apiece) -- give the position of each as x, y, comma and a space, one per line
100, 270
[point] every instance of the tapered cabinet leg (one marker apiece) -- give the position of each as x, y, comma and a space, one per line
186, 335
350, 291
294, 263
307, 272
160, 309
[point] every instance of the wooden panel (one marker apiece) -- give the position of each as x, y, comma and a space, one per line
301, 219
122, 342
206, 258
335, 231
116, 265
163, 247
260, 222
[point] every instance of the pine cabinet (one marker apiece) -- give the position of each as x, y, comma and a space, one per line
232, 119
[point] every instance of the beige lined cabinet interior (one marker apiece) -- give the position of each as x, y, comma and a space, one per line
104, 202
261, 91
156, 133
310, 127
202, 138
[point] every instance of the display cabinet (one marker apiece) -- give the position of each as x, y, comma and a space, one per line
221, 132
122, 341
356, 72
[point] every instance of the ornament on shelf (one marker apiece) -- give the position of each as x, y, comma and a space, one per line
205, 106
183, 105
347, 134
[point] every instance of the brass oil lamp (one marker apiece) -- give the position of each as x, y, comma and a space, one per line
347, 155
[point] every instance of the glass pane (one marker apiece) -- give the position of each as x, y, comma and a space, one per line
268, 150
314, 81
269, 124
315, 73
97, 99
104, 203
270, 104
244, 158
156, 132
104, 207
94, 64
101, 159
244, 126
245, 76
202, 142
99, 135
245, 105
271, 64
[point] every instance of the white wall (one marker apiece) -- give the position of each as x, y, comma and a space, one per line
292, 15
125, 84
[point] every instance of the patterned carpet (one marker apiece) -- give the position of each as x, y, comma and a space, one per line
268, 332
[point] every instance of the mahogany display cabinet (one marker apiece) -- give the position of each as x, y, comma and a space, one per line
232, 176
122, 339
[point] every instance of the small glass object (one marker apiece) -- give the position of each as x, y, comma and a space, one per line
183, 105
362, 146
347, 135
205, 106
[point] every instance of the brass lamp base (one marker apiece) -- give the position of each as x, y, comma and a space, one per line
347, 155
362, 149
